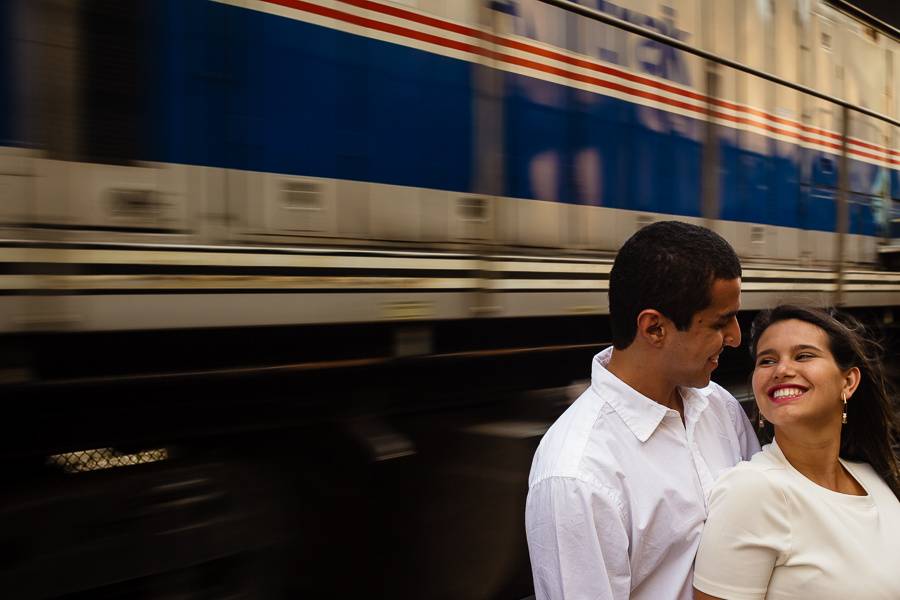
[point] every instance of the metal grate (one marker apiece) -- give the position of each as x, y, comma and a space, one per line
104, 458
301, 195
472, 209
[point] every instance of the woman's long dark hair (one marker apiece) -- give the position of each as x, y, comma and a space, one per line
872, 430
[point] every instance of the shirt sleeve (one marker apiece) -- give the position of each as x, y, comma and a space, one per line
746, 535
577, 541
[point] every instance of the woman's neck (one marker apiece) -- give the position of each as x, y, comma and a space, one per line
816, 458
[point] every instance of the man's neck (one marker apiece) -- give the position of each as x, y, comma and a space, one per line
638, 373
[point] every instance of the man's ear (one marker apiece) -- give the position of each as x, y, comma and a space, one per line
651, 327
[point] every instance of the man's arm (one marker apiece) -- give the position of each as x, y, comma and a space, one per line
577, 540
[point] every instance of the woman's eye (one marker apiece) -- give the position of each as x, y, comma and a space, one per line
764, 361
804, 356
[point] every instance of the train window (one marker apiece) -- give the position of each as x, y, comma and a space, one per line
114, 69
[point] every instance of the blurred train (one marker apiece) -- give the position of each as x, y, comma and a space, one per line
219, 163
282, 273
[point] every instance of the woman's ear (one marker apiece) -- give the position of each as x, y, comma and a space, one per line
851, 381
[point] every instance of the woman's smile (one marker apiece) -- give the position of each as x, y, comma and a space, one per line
784, 393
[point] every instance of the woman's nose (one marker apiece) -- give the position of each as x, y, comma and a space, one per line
783, 369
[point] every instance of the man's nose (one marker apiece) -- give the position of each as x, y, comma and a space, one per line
733, 333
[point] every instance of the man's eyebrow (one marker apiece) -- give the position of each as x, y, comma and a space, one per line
727, 316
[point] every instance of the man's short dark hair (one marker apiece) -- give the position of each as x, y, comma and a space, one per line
668, 266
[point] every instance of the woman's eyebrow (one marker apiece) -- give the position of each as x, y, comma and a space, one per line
796, 348
805, 347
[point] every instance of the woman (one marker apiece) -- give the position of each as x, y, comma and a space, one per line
816, 514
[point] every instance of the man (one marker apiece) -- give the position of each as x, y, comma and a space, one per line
618, 486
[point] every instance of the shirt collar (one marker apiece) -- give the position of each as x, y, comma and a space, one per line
641, 414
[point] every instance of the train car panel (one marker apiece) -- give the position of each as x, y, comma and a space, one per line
534, 223
787, 104
103, 197
783, 244
820, 168
283, 205
755, 160
864, 75
570, 145
720, 22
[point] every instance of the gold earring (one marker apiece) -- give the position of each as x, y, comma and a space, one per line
844, 412
762, 421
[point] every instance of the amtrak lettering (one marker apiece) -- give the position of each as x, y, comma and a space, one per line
547, 24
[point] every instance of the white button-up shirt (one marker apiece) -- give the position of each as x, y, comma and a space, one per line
618, 490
